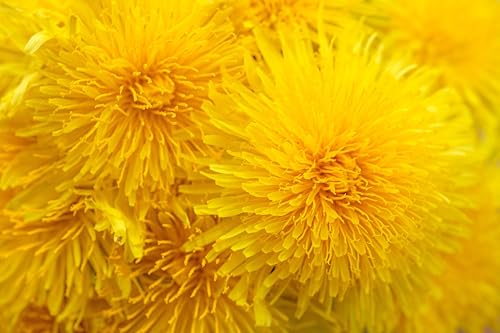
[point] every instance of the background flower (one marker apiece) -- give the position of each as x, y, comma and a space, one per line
248, 14
467, 295
459, 39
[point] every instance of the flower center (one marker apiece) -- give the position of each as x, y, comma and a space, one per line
148, 91
336, 177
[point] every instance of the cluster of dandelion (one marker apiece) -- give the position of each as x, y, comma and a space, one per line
209, 166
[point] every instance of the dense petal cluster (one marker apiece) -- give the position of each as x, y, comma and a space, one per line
51, 256
122, 100
320, 165
274, 166
172, 290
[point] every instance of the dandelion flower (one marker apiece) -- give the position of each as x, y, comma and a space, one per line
459, 38
119, 87
338, 167
50, 254
248, 14
169, 290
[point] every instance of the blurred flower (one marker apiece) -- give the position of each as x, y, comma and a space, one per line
249, 14
468, 290
460, 39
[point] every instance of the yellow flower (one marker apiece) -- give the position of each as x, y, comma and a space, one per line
119, 85
339, 167
170, 290
460, 39
50, 253
462, 294
248, 14
468, 295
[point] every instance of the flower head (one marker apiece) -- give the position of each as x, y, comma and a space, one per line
171, 290
50, 254
270, 14
119, 86
460, 39
339, 167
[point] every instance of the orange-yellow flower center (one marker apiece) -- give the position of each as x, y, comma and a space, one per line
334, 176
148, 90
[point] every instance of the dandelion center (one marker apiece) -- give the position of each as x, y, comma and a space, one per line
148, 90
338, 201
332, 177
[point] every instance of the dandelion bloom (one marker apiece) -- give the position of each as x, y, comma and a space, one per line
270, 14
339, 167
209, 166
51, 257
460, 39
118, 86
172, 290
